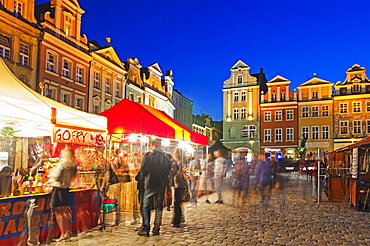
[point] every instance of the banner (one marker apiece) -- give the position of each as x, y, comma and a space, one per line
79, 137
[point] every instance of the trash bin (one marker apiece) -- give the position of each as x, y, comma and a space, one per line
5, 180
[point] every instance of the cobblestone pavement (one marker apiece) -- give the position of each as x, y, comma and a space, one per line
289, 217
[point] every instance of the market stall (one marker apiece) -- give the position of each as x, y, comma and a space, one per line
349, 174
34, 128
135, 128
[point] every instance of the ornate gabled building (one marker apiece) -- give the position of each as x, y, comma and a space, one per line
135, 90
351, 107
315, 110
107, 77
203, 124
20, 39
241, 100
279, 120
64, 57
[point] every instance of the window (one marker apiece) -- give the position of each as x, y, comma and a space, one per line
315, 111
236, 114
18, 7
240, 79
289, 115
243, 113
278, 115
267, 136
314, 95
79, 103
4, 47
50, 62
325, 110
273, 97
236, 96
24, 54
97, 80
65, 98
282, 97
289, 134
278, 134
66, 69
243, 95
357, 126
343, 108
356, 107
131, 96
343, 127
315, 132
51, 92
368, 126
267, 116
96, 109
305, 132
305, 111
368, 106
107, 85
67, 25
80, 75
356, 88
249, 131
325, 132
118, 89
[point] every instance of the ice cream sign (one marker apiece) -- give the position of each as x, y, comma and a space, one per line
77, 136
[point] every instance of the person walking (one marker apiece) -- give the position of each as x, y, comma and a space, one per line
219, 173
205, 179
193, 172
61, 181
264, 171
179, 184
155, 168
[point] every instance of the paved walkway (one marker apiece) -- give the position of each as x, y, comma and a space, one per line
289, 217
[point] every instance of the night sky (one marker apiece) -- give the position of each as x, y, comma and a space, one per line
201, 40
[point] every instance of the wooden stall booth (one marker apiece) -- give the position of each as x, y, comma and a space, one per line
33, 130
349, 175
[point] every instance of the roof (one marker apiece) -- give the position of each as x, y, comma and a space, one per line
365, 142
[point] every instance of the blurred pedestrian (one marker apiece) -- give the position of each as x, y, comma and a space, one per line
155, 168
205, 179
193, 173
66, 170
219, 173
263, 178
179, 184
241, 174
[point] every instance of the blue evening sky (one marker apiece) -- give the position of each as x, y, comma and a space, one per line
201, 40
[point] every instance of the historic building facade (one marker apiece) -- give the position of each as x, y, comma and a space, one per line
241, 96
351, 107
315, 109
20, 39
64, 57
183, 109
279, 120
107, 77
203, 124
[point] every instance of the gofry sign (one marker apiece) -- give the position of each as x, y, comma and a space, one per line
76, 136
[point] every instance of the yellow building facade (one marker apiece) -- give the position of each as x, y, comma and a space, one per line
315, 114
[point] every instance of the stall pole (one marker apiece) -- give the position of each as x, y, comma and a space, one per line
318, 176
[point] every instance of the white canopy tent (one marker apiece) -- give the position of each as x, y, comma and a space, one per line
33, 115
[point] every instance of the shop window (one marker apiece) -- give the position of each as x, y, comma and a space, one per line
24, 54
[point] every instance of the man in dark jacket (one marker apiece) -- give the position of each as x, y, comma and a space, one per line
155, 168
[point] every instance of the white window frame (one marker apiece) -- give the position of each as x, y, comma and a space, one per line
243, 96
107, 85
236, 96
357, 126
368, 126
65, 97
96, 80
325, 110
290, 114
19, 7
343, 108
243, 113
290, 134
267, 135
315, 111
278, 134
356, 107
249, 131
306, 132
51, 61
367, 106
267, 116
79, 102
24, 54
118, 89
5, 50
80, 74
305, 111
325, 132
343, 127
236, 113
279, 115
51, 92
315, 130
66, 70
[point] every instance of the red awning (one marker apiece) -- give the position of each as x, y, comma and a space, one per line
128, 117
